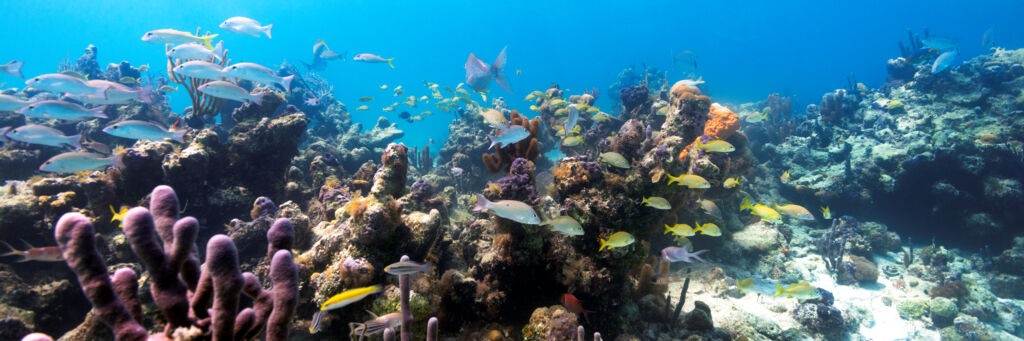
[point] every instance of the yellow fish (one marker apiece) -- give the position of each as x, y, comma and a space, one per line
795, 211
681, 230
826, 213
531, 97
709, 229
572, 141
766, 213
388, 109
144, 68
756, 117
410, 103
340, 300
801, 289
662, 112
689, 180
483, 95
717, 146
561, 111
784, 177
534, 108
617, 239
602, 117
657, 202
384, 87
745, 285
558, 103
416, 118
593, 110
731, 182
118, 216
424, 98
362, 107
427, 112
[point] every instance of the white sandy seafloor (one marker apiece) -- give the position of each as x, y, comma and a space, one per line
880, 322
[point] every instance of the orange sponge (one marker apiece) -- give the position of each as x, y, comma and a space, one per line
722, 124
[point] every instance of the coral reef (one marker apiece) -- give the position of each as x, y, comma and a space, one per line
528, 148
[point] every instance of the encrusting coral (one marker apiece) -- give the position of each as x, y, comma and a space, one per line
528, 148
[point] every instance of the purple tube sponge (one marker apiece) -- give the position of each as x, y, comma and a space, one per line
169, 292
280, 236
163, 205
77, 241
222, 263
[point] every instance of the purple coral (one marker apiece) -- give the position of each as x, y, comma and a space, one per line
518, 184
116, 300
422, 191
633, 97
263, 207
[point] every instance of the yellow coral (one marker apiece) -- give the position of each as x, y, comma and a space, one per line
894, 105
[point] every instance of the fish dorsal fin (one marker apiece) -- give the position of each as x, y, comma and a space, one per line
372, 314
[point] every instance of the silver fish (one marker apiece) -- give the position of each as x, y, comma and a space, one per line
200, 69
13, 69
407, 268
479, 74
43, 135
56, 82
681, 254
227, 90
710, 207
565, 225
116, 94
11, 103
62, 110
170, 36
514, 134
509, 209
71, 162
195, 51
246, 26
570, 122
377, 324
142, 130
258, 73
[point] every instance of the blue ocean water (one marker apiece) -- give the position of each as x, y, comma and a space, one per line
744, 50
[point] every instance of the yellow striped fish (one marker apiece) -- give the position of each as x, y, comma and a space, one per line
340, 300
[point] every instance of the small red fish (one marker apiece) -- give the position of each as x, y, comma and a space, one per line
572, 304
43, 254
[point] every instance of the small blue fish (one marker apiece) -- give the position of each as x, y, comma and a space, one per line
944, 61
509, 209
514, 134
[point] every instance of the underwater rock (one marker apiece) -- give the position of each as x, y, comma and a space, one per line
87, 65
759, 237
259, 154
942, 310
822, 319
551, 323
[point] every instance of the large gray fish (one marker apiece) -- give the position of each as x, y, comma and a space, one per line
479, 74
71, 162
258, 73
62, 110
43, 135
228, 90
200, 69
56, 82
939, 43
517, 211
11, 103
13, 69
142, 130
512, 135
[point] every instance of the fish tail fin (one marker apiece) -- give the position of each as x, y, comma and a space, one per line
16, 68
746, 204
11, 251
146, 94
389, 62
778, 290
498, 70
266, 29
117, 161
256, 98
314, 326
75, 141
179, 135
481, 203
286, 82
218, 50
98, 112
668, 229
206, 40
427, 267
672, 179
493, 141
604, 245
